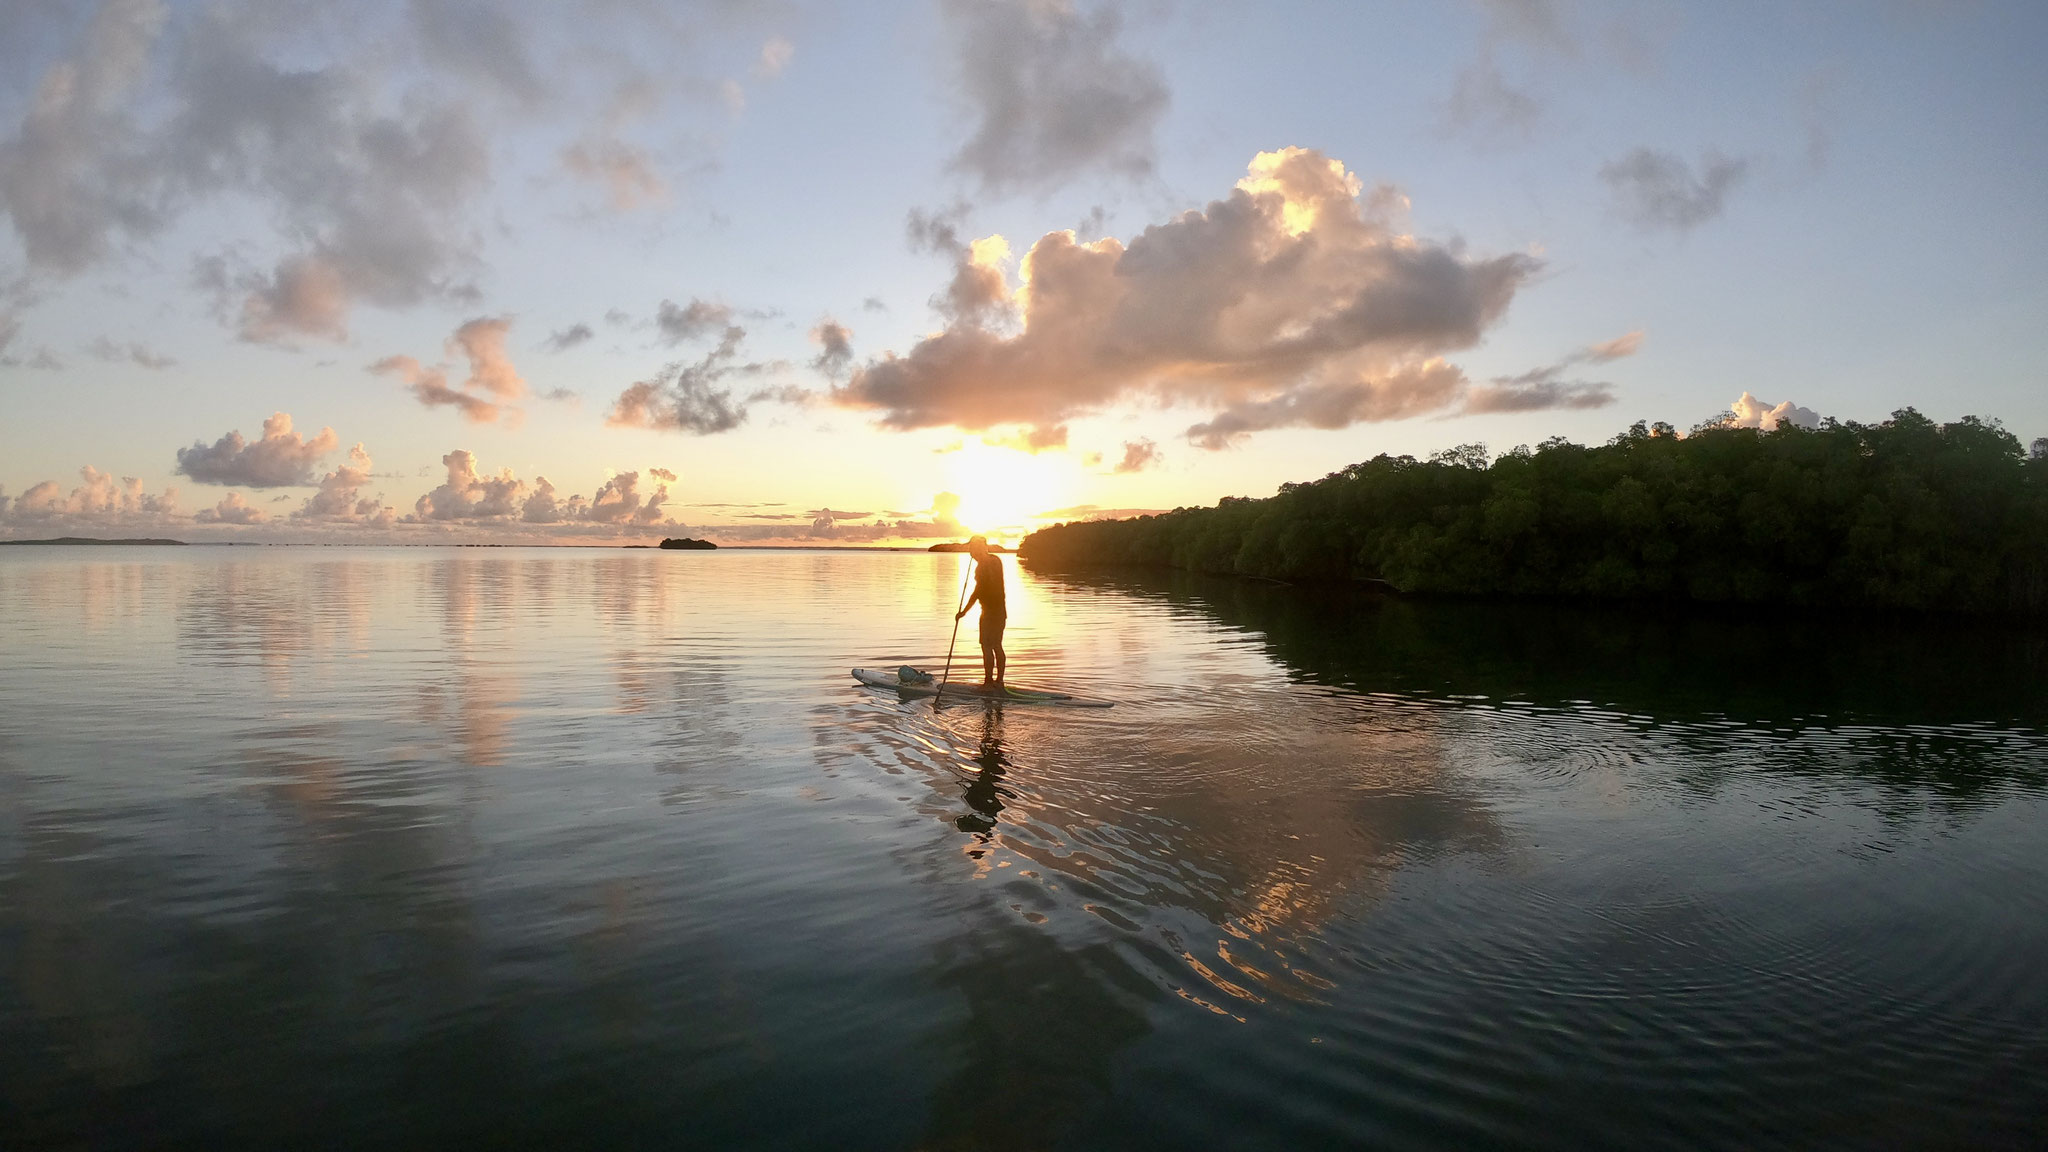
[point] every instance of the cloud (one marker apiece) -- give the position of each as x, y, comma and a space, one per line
340, 496
1292, 301
625, 170
65, 173
1659, 190
567, 338
1097, 512
1626, 344
377, 204
479, 43
232, 509
1402, 391
618, 502
430, 387
699, 318
1545, 388
347, 149
482, 342
1484, 104
467, 496
1051, 92
686, 396
482, 396
1750, 412
1139, 455
98, 503
662, 474
1522, 394
133, 353
835, 347
776, 54
281, 459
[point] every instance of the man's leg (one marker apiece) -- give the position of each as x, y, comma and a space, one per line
1002, 658
988, 664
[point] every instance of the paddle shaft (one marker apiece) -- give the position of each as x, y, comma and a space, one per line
960, 600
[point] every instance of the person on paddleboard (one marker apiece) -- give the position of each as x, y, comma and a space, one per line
988, 592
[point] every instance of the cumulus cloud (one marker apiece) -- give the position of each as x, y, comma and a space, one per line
1052, 93
662, 474
232, 509
281, 459
469, 496
567, 338
618, 501
1139, 455
687, 396
465, 495
99, 502
482, 396
1655, 189
1750, 412
340, 496
1296, 300
131, 352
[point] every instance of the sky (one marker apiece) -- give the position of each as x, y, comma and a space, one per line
793, 272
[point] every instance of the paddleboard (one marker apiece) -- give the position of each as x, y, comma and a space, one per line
956, 690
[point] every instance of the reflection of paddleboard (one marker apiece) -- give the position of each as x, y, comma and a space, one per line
880, 678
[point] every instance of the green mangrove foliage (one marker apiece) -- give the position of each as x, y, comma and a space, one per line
1906, 513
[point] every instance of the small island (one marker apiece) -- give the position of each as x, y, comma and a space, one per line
96, 540
685, 542
962, 547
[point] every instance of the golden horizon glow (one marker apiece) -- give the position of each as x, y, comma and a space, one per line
1003, 490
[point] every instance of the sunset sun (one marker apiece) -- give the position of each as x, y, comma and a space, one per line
1003, 491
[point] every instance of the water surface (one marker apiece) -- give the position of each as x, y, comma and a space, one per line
324, 846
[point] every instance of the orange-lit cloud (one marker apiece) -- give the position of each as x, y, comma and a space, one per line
482, 396
1296, 300
281, 459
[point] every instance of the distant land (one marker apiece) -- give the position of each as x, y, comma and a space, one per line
93, 540
956, 547
1905, 514
687, 543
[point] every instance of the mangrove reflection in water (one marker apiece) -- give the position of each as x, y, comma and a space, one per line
605, 848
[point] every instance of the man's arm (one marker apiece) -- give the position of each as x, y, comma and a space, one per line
970, 600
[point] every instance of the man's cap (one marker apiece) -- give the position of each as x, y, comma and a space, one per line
981, 540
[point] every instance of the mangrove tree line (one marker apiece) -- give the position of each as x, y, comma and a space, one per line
1904, 513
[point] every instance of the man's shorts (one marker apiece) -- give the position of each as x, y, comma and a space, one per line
992, 628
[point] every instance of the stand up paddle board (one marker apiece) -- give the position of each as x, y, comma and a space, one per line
954, 690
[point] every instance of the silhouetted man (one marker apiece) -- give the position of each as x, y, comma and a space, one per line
988, 592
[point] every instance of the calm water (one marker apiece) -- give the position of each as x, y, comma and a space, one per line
309, 846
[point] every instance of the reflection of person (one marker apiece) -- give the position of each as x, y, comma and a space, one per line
988, 592
985, 792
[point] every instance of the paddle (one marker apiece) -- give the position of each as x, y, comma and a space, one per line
962, 599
